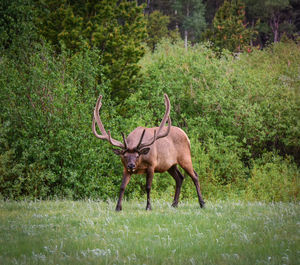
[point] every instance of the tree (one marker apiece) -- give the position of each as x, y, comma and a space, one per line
190, 18
157, 28
211, 8
275, 9
116, 28
17, 30
276, 17
229, 30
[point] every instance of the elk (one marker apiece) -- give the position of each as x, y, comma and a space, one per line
151, 150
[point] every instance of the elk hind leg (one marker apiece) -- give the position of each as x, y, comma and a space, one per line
188, 167
175, 173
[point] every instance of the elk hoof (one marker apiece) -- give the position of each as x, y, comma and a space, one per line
202, 204
174, 204
148, 208
119, 208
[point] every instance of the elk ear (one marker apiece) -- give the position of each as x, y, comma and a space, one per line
118, 151
144, 151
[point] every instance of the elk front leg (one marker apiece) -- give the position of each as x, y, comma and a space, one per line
149, 178
125, 181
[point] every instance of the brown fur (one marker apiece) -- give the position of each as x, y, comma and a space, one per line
165, 152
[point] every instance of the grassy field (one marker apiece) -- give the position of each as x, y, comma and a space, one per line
88, 232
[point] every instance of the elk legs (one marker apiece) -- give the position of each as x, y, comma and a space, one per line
125, 181
195, 179
149, 178
192, 173
175, 173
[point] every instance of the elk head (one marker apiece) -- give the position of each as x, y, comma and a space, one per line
131, 157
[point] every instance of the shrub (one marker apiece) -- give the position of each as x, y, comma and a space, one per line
47, 147
235, 110
274, 178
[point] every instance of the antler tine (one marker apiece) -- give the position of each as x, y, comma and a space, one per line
98, 120
162, 125
168, 130
147, 144
124, 140
165, 119
115, 142
105, 135
141, 139
156, 137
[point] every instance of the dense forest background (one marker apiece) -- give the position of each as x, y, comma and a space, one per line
230, 68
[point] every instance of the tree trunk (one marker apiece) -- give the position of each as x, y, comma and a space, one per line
274, 23
185, 31
186, 39
176, 25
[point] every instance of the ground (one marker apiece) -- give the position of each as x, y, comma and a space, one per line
91, 232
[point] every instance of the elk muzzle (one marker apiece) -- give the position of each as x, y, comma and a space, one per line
131, 167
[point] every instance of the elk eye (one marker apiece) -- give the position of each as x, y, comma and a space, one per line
144, 151
118, 151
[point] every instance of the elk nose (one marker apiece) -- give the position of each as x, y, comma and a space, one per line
131, 166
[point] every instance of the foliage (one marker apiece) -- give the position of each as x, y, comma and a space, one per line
157, 28
116, 28
17, 30
271, 19
47, 148
229, 30
190, 18
90, 232
276, 17
235, 109
274, 179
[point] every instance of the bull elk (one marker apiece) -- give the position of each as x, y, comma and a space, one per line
150, 150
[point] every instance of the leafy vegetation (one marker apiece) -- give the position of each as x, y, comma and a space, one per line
58, 183
115, 28
231, 108
46, 106
229, 30
189, 17
274, 19
226, 232
157, 28
235, 111
241, 112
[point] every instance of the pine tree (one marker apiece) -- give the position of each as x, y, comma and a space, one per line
116, 28
157, 28
229, 30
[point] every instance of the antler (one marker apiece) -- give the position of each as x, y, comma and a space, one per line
159, 134
164, 120
105, 135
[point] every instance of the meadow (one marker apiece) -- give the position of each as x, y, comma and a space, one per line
91, 232
58, 182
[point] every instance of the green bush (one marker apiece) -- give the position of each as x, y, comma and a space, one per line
235, 110
47, 146
273, 179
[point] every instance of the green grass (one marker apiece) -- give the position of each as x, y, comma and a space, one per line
89, 232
